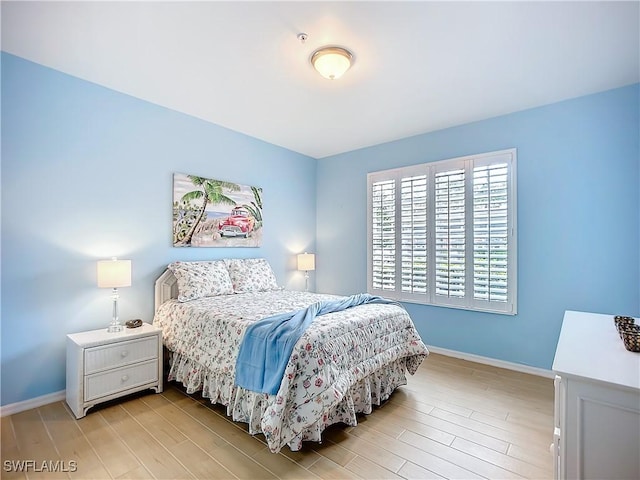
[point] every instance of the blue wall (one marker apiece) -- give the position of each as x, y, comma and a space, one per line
86, 175
578, 222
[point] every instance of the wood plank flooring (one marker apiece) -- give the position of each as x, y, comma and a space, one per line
455, 419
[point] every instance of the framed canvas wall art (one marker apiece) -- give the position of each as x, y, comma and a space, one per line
209, 212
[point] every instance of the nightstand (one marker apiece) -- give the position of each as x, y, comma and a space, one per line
102, 366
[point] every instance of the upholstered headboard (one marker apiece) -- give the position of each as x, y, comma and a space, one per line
166, 288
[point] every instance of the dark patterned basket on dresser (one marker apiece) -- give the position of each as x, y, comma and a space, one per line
623, 322
631, 337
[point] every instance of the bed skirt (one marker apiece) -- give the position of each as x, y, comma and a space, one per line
250, 407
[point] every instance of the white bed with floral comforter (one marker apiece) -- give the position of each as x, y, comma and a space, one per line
345, 362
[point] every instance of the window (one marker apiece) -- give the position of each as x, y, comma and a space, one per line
444, 233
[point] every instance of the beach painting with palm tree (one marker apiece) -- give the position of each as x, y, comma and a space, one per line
215, 213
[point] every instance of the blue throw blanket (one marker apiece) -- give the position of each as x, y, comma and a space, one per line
268, 343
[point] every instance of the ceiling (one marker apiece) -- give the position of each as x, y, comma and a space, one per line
419, 66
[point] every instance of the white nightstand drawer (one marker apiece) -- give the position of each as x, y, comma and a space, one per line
120, 379
121, 353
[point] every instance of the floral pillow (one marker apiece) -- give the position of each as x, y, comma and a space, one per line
251, 275
201, 279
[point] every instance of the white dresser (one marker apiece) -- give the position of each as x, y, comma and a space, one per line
597, 401
102, 366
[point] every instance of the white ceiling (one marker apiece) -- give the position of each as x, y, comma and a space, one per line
419, 66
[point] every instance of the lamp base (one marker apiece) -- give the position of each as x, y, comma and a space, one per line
115, 328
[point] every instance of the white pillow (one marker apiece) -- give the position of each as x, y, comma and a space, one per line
201, 279
251, 275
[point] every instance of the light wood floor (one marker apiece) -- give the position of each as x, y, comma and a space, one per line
454, 419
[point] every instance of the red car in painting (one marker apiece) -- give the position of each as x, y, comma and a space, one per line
239, 223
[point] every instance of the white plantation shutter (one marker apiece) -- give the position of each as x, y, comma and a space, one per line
444, 233
383, 234
413, 215
490, 232
450, 267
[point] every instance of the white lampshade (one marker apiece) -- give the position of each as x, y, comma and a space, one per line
114, 273
306, 261
331, 62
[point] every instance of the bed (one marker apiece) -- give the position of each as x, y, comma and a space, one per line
345, 362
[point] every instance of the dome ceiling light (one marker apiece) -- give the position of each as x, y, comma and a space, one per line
331, 62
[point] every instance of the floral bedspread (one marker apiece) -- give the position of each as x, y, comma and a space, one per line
344, 363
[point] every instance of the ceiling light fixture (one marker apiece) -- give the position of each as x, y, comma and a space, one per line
331, 62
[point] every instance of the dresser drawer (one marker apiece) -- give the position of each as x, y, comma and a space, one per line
119, 379
113, 355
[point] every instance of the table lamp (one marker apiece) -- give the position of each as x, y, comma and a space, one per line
114, 274
306, 263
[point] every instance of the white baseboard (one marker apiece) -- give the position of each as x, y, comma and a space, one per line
541, 372
32, 403
518, 367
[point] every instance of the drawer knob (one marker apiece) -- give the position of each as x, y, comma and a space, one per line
124, 353
125, 378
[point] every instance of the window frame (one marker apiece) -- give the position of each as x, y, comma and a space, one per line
430, 169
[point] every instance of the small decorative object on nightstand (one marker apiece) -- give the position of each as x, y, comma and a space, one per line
103, 366
133, 323
306, 263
